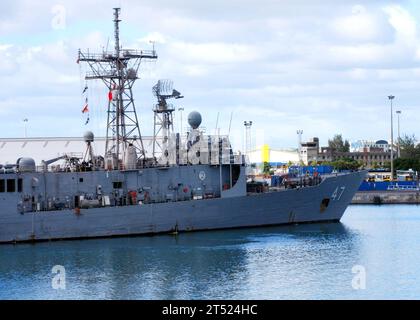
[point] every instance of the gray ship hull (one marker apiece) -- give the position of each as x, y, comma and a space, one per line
272, 208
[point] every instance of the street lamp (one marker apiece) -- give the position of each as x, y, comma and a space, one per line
181, 109
299, 133
247, 125
25, 122
399, 137
391, 97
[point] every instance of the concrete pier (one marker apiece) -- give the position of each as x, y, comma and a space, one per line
387, 197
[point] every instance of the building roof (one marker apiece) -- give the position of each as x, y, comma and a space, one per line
45, 148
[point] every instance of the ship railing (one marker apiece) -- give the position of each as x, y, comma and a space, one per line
51, 168
78, 155
135, 53
167, 107
97, 57
58, 167
124, 54
402, 188
102, 74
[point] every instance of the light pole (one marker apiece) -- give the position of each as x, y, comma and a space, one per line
299, 133
25, 122
399, 137
391, 97
247, 125
180, 110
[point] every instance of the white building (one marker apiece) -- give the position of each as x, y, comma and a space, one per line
366, 146
273, 156
47, 148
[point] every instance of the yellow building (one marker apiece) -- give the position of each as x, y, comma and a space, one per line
273, 156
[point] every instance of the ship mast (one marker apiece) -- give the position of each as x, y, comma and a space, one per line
163, 119
119, 70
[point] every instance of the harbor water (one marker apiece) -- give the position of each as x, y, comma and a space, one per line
374, 253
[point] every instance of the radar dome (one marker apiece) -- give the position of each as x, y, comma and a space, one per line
88, 136
194, 119
26, 165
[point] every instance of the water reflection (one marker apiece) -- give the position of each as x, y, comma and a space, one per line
217, 264
312, 261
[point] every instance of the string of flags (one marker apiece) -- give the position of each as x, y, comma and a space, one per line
86, 106
112, 95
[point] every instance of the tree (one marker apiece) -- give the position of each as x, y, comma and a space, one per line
407, 163
410, 154
375, 165
266, 168
336, 144
345, 164
408, 147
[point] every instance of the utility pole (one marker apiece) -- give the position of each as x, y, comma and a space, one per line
25, 123
180, 111
299, 133
247, 125
399, 137
391, 97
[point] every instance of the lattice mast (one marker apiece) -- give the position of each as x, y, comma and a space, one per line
163, 119
119, 70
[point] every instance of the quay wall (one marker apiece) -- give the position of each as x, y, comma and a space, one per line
386, 197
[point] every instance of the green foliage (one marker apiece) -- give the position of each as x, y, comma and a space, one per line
407, 163
345, 164
375, 165
337, 144
266, 168
408, 146
410, 154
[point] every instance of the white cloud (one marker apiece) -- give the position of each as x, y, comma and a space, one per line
360, 25
156, 37
356, 55
404, 24
358, 74
214, 53
320, 66
5, 47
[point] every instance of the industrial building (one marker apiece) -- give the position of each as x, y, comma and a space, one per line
274, 157
45, 148
372, 154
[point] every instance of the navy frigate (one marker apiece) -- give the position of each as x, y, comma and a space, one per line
191, 182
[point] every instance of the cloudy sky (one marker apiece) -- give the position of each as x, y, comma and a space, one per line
322, 66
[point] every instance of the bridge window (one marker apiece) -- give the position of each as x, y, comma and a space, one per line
11, 185
2, 185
